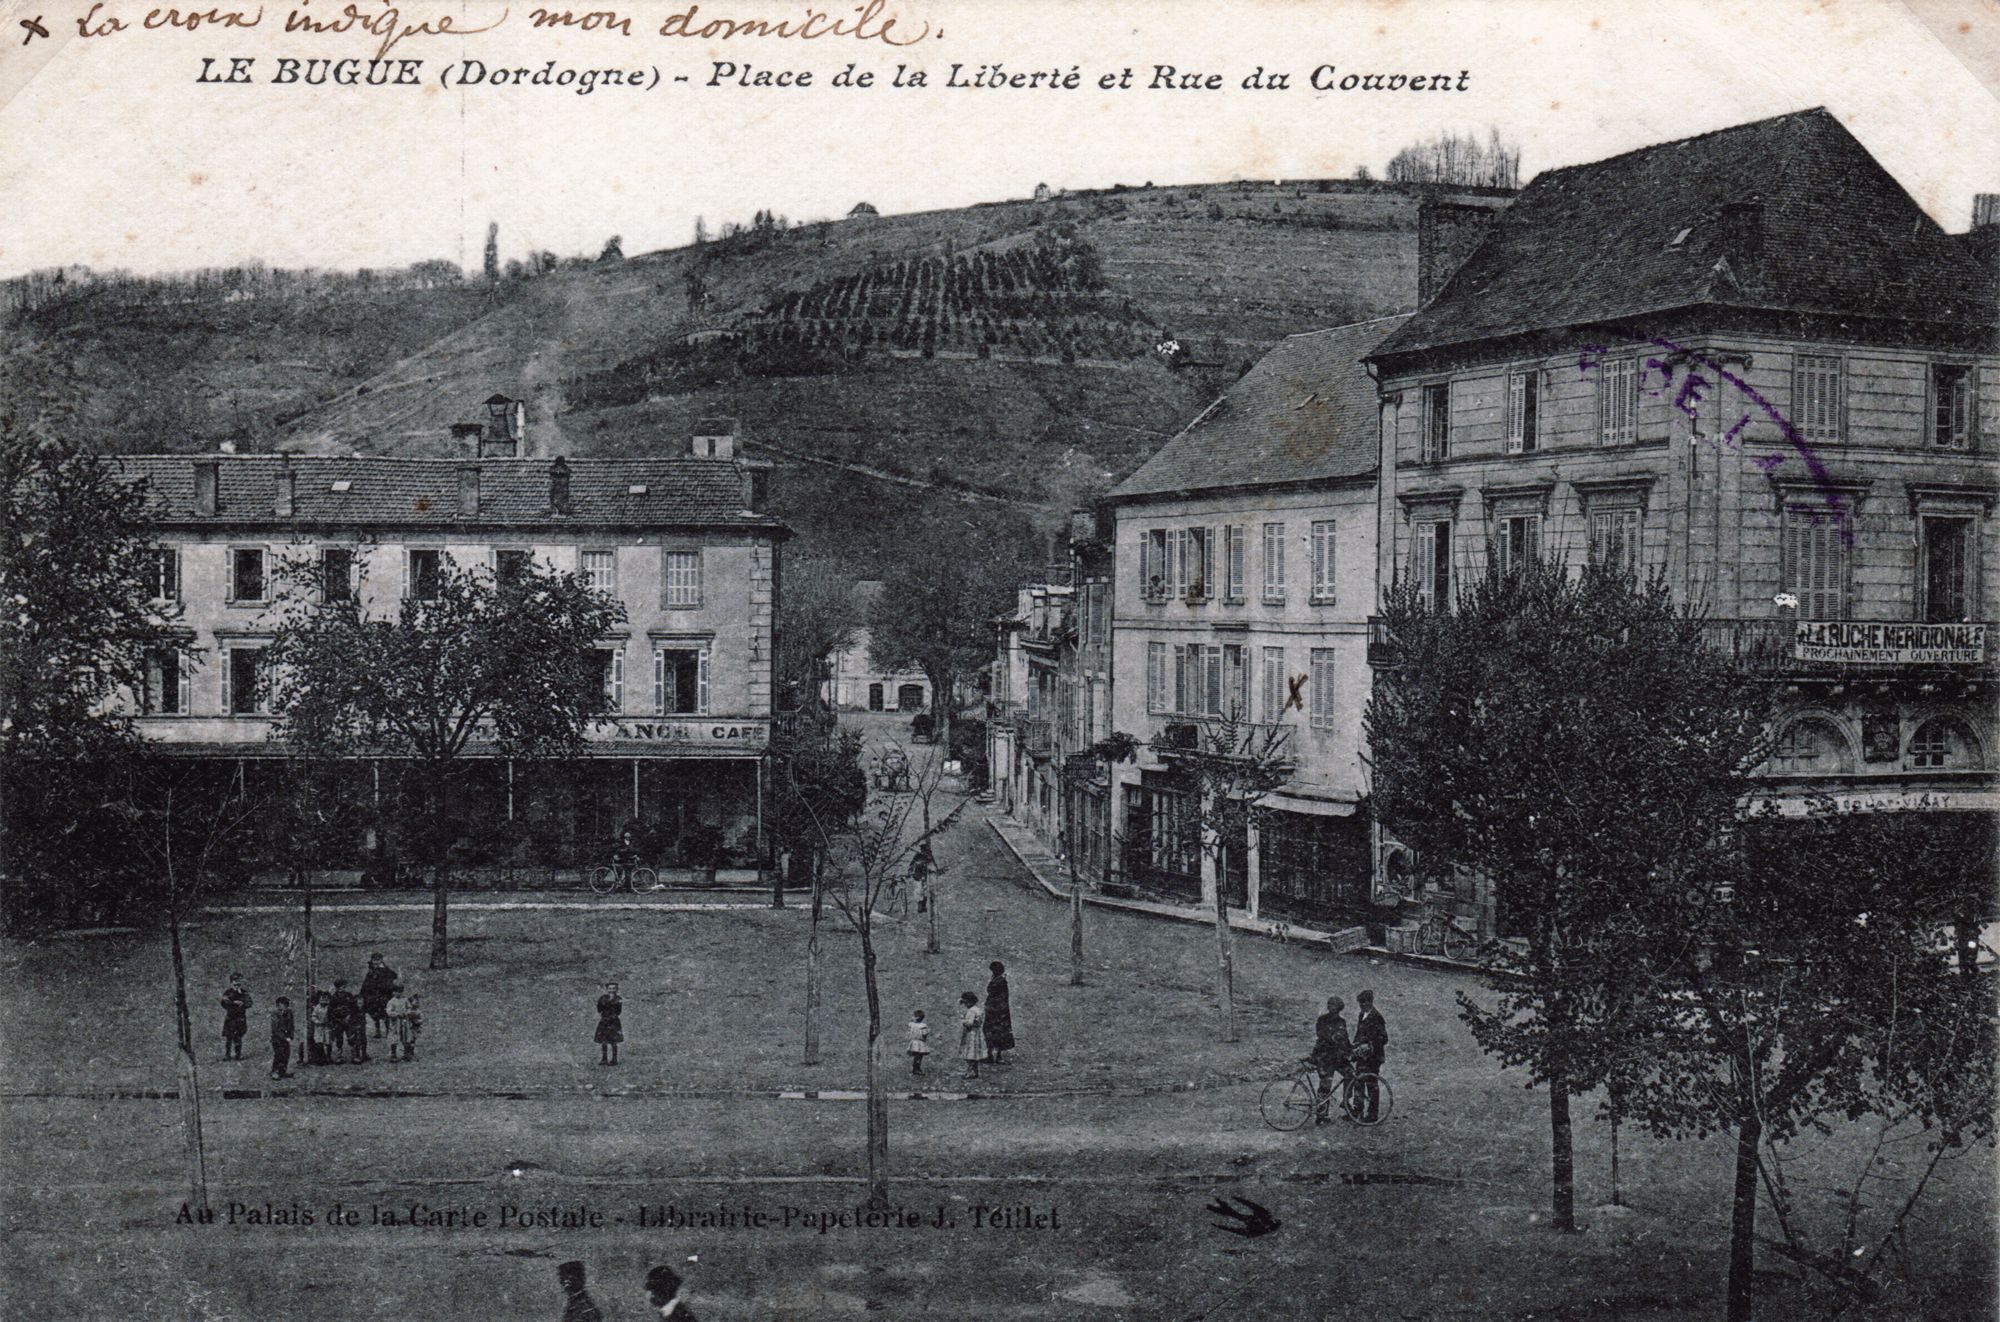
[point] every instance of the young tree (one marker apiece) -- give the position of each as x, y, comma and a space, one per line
1230, 769
1819, 986
1573, 740
938, 604
820, 789
78, 624
463, 659
1078, 772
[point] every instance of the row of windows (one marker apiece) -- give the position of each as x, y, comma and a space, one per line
1816, 563
1818, 412
679, 683
1182, 562
1213, 679
251, 573
1813, 745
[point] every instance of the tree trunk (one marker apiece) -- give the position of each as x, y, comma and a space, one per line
190, 1082
1563, 1209
1225, 951
878, 1101
440, 890
1075, 929
813, 972
1743, 1219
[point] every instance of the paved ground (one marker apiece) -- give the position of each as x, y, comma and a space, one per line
1119, 1120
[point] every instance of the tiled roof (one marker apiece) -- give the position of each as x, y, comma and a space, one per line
383, 491
1788, 214
1306, 412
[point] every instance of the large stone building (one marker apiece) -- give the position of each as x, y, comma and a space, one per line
1750, 362
1245, 554
682, 542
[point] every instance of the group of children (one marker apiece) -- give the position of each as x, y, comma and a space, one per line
984, 1035
336, 1021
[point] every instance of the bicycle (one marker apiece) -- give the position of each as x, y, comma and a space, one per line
1440, 934
1295, 1100
637, 878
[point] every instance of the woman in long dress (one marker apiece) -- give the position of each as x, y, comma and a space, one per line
999, 1015
972, 1034
610, 1024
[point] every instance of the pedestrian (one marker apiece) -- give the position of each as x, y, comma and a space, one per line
578, 1306
1371, 1048
920, 1041
972, 1034
235, 1017
999, 1015
345, 1025
663, 1288
282, 1031
1332, 1053
319, 1032
413, 1027
397, 1013
376, 984
610, 1024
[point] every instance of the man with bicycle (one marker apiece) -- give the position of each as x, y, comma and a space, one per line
1332, 1053
625, 857
1371, 1047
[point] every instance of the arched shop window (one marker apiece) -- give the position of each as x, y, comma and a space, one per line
1811, 745
1943, 744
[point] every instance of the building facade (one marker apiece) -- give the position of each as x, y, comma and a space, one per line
855, 683
679, 746
1245, 554
1750, 363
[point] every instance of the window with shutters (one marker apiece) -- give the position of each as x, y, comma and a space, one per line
610, 680
1274, 562
1233, 557
1194, 577
242, 694
1235, 682
1954, 407
680, 577
1322, 562
247, 580
680, 681
1319, 699
1517, 540
336, 573
1430, 563
1817, 396
1271, 683
1156, 678
1437, 422
600, 570
1949, 574
1614, 538
1153, 554
426, 574
167, 689
1524, 397
1815, 564
1618, 401
165, 567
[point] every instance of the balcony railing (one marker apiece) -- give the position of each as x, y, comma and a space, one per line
1179, 736
1037, 735
1795, 649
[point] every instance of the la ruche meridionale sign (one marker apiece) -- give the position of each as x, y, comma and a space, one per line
1857, 642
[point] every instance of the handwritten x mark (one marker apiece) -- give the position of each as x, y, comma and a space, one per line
1297, 698
1256, 1219
35, 29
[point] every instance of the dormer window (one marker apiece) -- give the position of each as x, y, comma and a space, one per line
343, 486
1680, 238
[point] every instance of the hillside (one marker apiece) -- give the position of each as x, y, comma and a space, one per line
1007, 349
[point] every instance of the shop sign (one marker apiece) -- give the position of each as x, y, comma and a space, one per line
703, 732
1881, 800
1853, 642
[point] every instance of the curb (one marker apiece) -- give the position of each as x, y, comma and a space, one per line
1334, 942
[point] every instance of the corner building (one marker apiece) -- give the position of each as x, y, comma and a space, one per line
680, 744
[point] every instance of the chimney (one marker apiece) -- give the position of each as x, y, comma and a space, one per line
756, 487
559, 485
207, 486
468, 491
1985, 209
282, 503
714, 438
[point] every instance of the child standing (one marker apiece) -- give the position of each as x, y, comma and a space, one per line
235, 1017
316, 1031
610, 1024
396, 1011
972, 1034
413, 1025
920, 1041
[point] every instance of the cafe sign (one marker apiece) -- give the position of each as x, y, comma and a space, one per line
1853, 642
691, 732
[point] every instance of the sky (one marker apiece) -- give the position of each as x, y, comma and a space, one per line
113, 155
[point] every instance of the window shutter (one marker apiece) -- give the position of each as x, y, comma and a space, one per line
618, 681
659, 682
1517, 409
227, 708
695, 586
1422, 546
1156, 676
701, 683
183, 692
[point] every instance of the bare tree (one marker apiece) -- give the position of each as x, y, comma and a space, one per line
1459, 158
